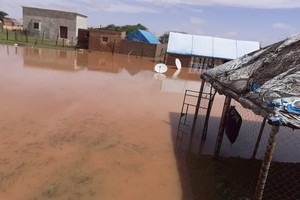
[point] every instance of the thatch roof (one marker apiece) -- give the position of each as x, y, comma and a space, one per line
266, 81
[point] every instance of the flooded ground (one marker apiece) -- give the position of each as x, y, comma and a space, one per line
80, 125
88, 126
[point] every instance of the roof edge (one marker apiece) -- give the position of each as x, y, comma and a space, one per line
78, 14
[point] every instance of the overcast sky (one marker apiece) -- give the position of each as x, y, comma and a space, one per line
266, 21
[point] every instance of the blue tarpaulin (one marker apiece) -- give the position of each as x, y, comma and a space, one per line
142, 36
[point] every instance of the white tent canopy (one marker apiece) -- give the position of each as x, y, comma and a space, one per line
206, 46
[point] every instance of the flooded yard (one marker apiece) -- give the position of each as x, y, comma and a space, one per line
78, 125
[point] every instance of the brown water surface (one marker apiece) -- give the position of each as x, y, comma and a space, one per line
76, 125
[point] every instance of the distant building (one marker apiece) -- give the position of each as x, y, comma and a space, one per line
98, 39
205, 51
12, 24
53, 24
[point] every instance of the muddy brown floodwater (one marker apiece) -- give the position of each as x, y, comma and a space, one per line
76, 125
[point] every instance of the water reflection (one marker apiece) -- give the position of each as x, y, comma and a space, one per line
50, 59
98, 61
175, 80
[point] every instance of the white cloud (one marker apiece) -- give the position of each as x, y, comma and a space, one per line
281, 26
230, 35
197, 21
262, 4
80, 6
128, 8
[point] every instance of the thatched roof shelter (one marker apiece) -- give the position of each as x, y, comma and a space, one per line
266, 81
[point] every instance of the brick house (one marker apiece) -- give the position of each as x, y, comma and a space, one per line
53, 24
103, 40
114, 41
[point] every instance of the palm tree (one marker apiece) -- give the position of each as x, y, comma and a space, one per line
2, 16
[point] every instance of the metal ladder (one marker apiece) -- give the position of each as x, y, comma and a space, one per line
202, 99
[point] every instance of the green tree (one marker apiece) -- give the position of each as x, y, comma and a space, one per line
164, 38
126, 28
2, 16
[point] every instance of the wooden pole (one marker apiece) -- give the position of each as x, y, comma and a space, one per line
6, 34
142, 52
264, 170
56, 40
259, 137
196, 115
222, 127
113, 50
209, 106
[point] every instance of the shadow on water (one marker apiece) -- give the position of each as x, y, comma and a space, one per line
203, 177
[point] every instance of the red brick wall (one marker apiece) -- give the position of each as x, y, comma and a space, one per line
98, 42
142, 49
137, 48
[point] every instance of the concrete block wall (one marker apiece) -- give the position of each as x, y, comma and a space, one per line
50, 22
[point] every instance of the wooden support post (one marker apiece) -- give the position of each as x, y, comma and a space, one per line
113, 49
26, 34
6, 34
56, 40
196, 115
264, 170
222, 127
259, 137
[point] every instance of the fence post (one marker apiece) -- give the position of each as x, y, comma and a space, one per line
222, 127
113, 49
264, 170
56, 40
7, 34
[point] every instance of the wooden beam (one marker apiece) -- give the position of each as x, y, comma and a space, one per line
264, 170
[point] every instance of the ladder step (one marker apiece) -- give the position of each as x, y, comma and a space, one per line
186, 115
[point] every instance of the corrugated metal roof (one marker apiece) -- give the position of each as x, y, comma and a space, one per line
142, 36
206, 46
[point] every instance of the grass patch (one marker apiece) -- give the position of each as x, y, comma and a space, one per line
21, 39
